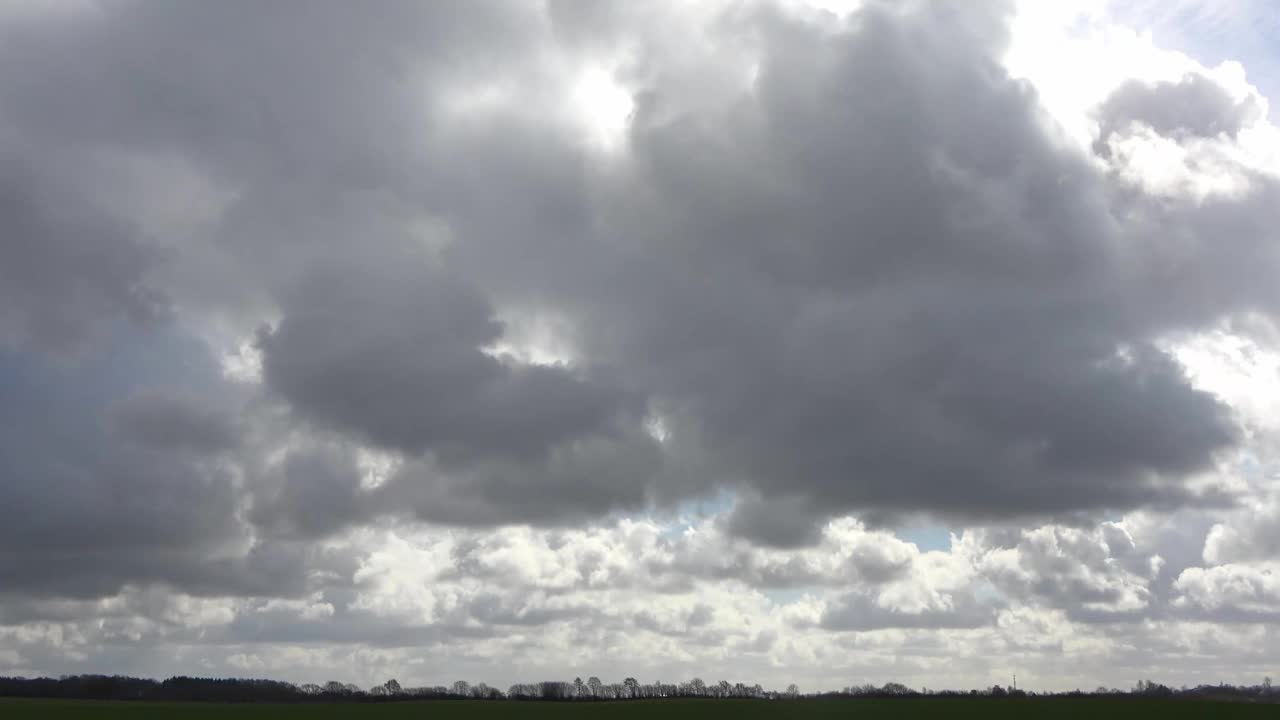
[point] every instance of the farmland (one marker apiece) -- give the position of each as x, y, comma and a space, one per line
818, 709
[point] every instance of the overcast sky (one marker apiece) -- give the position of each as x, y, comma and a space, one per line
815, 342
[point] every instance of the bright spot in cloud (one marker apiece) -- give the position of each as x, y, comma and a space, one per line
375, 467
243, 363
604, 107
657, 428
1241, 371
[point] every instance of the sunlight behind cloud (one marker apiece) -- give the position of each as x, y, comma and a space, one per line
604, 107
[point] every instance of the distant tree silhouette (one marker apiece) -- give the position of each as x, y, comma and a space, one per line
181, 688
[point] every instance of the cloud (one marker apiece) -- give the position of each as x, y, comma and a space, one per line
1093, 575
311, 493
605, 332
166, 421
126, 467
858, 612
848, 299
1242, 592
66, 267
81, 509
1252, 535
835, 297
397, 357
1194, 106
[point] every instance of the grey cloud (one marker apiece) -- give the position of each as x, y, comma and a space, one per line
397, 357
1095, 575
859, 611
878, 285
1193, 106
688, 626
161, 76
72, 494
498, 609
168, 421
97, 495
313, 492
344, 629
779, 522
67, 269
315, 127
614, 469
864, 282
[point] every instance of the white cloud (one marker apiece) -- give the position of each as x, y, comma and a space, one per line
1250, 589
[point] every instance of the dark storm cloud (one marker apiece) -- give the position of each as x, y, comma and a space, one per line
873, 280
780, 522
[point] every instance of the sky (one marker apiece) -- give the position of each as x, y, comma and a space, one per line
818, 342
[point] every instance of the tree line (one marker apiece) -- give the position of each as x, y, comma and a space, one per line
182, 688
119, 687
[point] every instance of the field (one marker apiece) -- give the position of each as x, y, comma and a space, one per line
1095, 709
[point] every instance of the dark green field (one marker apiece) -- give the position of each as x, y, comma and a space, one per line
1090, 709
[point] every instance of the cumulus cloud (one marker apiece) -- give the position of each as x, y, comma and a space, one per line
1193, 106
1252, 535
1244, 591
1095, 573
583, 332
856, 301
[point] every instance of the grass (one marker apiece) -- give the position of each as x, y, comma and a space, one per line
988, 709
